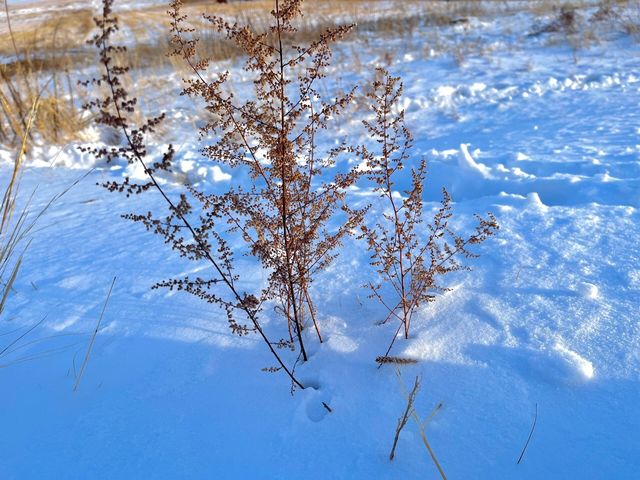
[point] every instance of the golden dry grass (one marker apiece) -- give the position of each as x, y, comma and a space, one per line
13, 230
52, 47
68, 31
58, 118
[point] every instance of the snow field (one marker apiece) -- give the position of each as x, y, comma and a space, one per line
548, 319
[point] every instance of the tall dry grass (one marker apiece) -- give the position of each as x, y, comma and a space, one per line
38, 66
17, 224
45, 53
13, 226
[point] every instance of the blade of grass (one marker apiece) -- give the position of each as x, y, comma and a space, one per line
9, 284
31, 329
39, 355
93, 337
36, 341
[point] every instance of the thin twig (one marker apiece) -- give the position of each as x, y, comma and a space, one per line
533, 427
402, 421
422, 426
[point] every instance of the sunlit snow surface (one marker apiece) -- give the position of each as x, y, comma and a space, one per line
548, 317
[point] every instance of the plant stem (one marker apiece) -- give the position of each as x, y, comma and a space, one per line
284, 161
402, 421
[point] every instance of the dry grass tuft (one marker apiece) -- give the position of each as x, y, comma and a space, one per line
13, 230
51, 32
58, 118
38, 72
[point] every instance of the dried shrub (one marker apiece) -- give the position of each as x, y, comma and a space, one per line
404, 259
288, 216
293, 215
565, 22
291, 218
194, 234
606, 12
629, 20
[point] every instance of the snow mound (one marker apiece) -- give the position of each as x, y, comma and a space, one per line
588, 290
535, 202
467, 162
576, 367
558, 365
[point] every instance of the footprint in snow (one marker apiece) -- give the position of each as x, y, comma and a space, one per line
316, 403
318, 409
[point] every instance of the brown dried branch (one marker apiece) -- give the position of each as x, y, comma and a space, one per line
422, 426
402, 421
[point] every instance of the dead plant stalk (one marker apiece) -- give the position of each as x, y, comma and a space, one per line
402, 421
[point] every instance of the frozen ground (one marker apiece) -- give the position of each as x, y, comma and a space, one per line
548, 319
